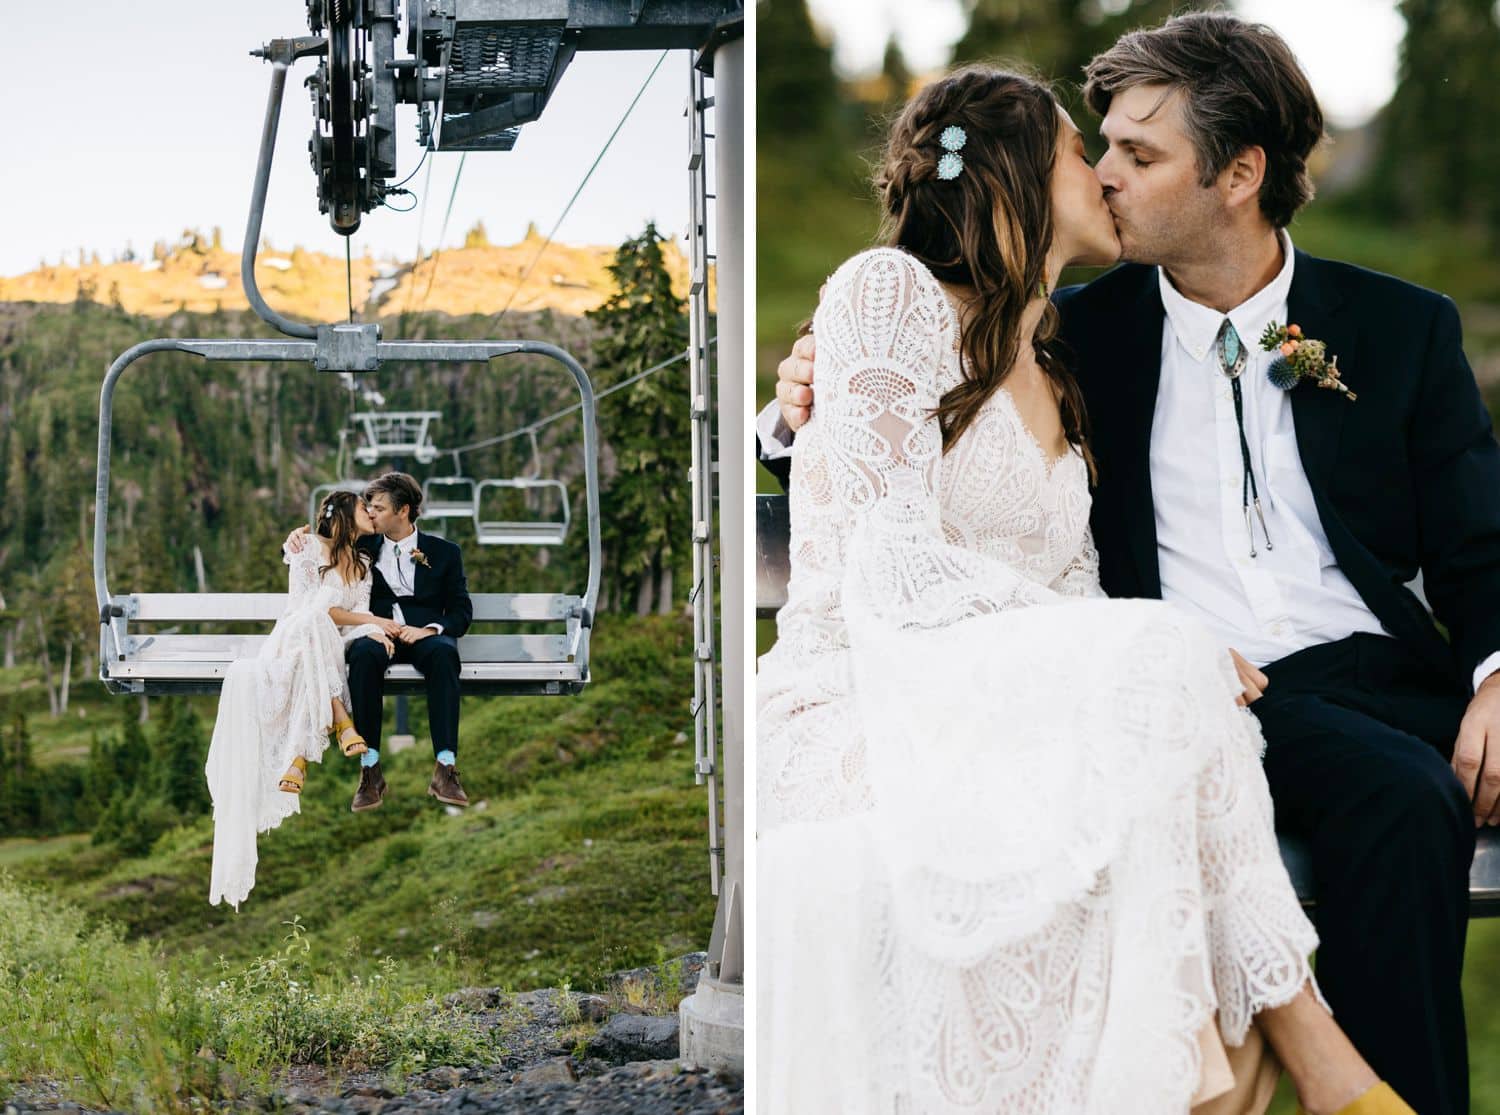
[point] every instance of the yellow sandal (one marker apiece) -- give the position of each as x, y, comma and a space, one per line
352, 747
1379, 1100
296, 774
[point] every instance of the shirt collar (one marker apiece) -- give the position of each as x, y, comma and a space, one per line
1197, 325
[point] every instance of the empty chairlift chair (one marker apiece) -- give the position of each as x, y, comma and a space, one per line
526, 529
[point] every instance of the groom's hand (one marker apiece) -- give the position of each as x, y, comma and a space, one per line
794, 377
411, 635
1476, 754
297, 539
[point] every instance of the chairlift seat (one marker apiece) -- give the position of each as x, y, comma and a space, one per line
169, 662
511, 532
396, 433
448, 497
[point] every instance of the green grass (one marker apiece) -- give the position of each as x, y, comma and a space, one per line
582, 854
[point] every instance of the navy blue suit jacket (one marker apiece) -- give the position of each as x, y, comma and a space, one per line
441, 591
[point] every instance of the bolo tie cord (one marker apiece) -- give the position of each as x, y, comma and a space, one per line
1232, 360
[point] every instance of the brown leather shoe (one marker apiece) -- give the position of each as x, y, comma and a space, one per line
444, 785
371, 792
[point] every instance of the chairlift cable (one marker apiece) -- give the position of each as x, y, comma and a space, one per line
531, 427
421, 221
558, 223
437, 252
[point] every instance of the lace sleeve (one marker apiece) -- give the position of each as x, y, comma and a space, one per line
1080, 577
303, 578
883, 329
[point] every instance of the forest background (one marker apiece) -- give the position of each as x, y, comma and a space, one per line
1409, 191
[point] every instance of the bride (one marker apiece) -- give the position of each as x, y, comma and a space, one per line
278, 710
1016, 849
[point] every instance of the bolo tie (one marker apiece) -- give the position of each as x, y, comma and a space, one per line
1232, 360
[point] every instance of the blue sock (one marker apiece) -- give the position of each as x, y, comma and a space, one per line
369, 758
447, 758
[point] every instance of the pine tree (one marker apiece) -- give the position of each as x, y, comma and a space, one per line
647, 512
180, 753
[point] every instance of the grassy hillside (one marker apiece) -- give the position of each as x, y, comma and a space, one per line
584, 852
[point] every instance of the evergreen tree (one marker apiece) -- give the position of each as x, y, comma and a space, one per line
646, 503
1439, 149
796, 94
181, 751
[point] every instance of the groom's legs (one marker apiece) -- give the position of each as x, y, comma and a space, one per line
367, 662
436, 658
1355, 758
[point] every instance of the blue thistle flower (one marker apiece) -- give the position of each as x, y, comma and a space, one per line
1282, 374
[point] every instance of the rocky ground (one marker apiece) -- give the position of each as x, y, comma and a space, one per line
566, 1052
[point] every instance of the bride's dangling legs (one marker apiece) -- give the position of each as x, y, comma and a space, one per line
350, 741
1328, 1071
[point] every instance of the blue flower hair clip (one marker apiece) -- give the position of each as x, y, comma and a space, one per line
953, 140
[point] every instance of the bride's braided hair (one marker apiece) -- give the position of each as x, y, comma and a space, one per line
336, 522
988, 228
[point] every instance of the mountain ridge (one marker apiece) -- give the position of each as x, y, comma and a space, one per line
199, 275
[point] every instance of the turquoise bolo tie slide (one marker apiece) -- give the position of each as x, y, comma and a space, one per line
1232, 360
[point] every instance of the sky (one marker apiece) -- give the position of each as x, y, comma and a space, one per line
1348, 47
150, 123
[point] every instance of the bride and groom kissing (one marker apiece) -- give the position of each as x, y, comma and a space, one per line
1016, 838
366, 589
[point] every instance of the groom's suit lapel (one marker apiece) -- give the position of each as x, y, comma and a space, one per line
1318, 415
1139, 338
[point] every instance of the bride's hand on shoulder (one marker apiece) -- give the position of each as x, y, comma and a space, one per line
1255, 682
794, 377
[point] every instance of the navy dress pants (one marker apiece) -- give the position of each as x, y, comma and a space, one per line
1359, 734
436, 659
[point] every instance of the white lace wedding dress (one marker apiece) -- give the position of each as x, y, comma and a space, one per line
1015, 845
273, 707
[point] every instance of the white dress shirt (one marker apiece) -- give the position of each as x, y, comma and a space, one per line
399, 569
1291, 595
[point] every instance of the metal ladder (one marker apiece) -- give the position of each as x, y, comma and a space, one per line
701, 376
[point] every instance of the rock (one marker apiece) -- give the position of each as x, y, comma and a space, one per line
295, 1094
636, 1037
559, 1070
444, 1078
592, 1008
688, 966
475, 998
371, 1091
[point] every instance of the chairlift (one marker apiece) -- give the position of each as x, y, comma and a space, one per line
396, 433
142, 649
530, 531
448, 497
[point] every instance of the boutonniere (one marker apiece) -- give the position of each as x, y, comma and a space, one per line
1300, 358
420, 558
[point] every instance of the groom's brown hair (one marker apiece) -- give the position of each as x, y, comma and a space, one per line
400, 489
1241, 87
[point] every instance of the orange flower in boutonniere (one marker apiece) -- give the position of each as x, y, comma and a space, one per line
420, 558
1300, 358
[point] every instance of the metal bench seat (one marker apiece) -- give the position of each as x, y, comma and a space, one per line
162, 662
772, 568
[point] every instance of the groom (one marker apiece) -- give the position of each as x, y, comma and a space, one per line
1382, 737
